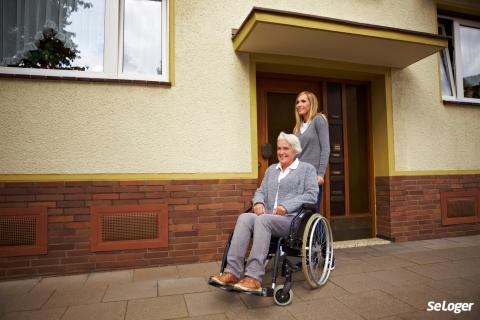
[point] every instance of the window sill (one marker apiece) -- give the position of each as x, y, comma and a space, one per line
85, 79
460, 102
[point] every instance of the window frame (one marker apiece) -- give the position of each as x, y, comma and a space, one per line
113, 51
457, 78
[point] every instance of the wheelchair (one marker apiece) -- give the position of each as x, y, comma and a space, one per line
310, 239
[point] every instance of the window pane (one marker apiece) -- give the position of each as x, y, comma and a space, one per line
446, 86
142, 39
470, 43
52, 34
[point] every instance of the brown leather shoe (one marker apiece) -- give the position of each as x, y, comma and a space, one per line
225, 278
248, 284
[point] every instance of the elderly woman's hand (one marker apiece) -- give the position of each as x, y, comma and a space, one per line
280, 211
259, 209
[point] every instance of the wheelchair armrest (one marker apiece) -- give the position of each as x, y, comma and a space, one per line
309, 206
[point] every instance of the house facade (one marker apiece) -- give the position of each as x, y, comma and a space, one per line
132, 134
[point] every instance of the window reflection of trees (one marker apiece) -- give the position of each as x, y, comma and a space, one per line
50, 46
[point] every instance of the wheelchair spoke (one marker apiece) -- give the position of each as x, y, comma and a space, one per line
317, 250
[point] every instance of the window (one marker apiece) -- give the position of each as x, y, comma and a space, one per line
112, 39
460, 62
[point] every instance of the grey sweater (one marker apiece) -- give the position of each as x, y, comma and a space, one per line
315, 143
298, 187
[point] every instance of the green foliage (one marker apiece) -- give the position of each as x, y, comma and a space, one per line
51, 53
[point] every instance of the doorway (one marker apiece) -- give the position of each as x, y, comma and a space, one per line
348, 190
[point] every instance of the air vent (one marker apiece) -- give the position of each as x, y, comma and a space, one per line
129, 227
460, 207
23, 231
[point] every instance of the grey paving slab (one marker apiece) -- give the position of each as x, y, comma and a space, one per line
14, 287
399, 277
267, 313
254, 302
325, 309
436, 271
213, 302
182, 286
44, 314
459, 253
445, 243
105, 278
24, 301
63, 282
458, 289
472, 278
388, 262
375, 304
156, 308
417, 295
74, 297
352, 266
303, 291
155, 273
439, 315
354, 283
132, 290
422, 257
198, 269
104, 311
220, 316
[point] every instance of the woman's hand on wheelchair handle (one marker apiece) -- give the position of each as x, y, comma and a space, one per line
259, 209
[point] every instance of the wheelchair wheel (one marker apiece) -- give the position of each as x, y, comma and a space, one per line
282, 299
317, 250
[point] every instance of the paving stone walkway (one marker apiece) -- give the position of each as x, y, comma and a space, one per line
389, 281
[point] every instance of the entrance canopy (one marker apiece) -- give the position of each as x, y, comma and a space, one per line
293, 34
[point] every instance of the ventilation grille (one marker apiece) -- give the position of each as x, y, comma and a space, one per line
18, 231
127, 227
457, 208
23, 231
460, 207
130, 226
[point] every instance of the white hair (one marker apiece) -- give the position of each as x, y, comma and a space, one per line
292, 140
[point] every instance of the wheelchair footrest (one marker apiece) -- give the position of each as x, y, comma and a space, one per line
266, 292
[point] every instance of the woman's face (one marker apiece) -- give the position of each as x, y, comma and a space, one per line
285, 153
303, 105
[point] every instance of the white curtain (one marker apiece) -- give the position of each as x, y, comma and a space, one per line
23, 22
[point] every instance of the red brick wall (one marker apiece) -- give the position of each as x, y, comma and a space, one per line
201, 215
408, 207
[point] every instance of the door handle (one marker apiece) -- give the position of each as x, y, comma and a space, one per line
266, 150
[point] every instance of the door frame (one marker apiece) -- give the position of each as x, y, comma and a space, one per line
287, 83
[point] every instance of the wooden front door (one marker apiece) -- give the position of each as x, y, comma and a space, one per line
348, 190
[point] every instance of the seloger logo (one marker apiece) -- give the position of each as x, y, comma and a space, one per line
455, 307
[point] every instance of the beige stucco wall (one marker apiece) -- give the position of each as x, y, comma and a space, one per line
202, 123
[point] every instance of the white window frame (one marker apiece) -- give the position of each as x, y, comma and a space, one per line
458, 77
113, 51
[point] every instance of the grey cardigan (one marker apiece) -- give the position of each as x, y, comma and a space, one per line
315, 143
298, 187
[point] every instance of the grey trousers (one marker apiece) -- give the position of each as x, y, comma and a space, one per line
262, 227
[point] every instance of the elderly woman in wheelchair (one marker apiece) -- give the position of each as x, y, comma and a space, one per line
283, 207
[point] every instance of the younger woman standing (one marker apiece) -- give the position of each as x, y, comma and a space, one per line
312, 130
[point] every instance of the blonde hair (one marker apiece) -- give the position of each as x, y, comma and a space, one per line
311, 114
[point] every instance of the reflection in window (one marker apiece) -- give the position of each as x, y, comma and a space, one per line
460, 62
470, 44
142, 51
52, 34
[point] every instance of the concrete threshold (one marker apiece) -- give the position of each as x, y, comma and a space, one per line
359, 243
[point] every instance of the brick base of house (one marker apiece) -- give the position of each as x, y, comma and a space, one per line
409, 207
201, 214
